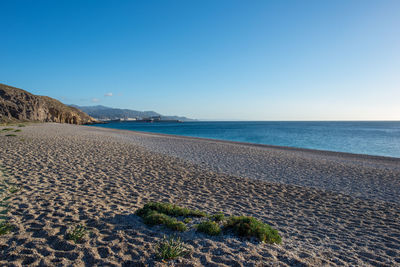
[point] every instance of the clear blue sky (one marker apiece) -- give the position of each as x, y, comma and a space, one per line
240, 60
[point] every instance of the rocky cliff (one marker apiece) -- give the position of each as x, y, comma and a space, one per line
19, 105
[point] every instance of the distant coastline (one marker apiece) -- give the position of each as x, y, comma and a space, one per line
156, 119
108, 114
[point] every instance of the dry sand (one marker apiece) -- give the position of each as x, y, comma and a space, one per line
330, 208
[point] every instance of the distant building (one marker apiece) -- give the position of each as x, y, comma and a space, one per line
155, 118
131, 119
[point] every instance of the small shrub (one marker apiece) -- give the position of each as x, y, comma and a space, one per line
7, 129
171, 248
10, 135
218, 217
170, 209
77, 234
251, 227
209, 228
155, 218
13, 189
17, 131
21, 125
187, 220
5, 228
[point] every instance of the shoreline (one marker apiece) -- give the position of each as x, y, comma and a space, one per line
289, 148
76, 174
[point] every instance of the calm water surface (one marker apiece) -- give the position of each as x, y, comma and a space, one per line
373, 138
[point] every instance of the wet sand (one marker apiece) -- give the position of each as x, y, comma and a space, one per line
330, 208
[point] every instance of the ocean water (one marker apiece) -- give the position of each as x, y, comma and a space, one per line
373, 138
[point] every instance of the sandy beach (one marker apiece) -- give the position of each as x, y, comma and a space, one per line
331, 209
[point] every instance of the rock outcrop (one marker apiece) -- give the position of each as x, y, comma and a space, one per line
19, 105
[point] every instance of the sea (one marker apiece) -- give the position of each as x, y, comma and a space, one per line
380, 138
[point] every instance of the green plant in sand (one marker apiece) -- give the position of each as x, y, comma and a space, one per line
5, 227
217, 217
10, 135
251, 227
17, 131
154, 213
155, 218
170, 248
187, 220
21, 125
77, 234
7, 129
170, 209
13, 189
209, 228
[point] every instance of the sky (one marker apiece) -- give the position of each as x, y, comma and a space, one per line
210, 60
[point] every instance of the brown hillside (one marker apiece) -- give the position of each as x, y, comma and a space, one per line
19, 105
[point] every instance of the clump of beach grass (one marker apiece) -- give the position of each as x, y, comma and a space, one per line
170, 209
251, 227
155, 218
17, 131
217, 217
170, 248
7, 129
11, 135
78, 233
187, 220
156, 213
21, 125
209, 228
5, 227
13, 189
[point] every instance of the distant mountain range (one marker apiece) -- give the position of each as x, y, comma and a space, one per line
106, 113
